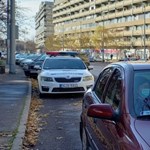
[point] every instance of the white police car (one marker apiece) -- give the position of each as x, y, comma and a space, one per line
64, 74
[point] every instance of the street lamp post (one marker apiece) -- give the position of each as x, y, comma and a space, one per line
12, 69
144, 37
8, 31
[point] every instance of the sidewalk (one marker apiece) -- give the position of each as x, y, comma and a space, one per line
15, 96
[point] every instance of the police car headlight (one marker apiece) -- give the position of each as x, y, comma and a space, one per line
87, 78
47, 79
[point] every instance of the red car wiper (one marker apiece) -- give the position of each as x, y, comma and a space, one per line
147, 117
144, 114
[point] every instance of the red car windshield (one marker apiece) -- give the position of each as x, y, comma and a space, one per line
142, 93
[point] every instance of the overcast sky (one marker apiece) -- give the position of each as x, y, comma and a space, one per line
33, 7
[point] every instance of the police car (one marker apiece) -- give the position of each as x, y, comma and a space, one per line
64, 74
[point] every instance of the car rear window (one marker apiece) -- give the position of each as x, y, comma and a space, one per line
64, 64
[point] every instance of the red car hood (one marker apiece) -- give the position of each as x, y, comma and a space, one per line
143, 128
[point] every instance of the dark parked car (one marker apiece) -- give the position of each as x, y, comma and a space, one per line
116, 110
30, 69
29, 59
20, 57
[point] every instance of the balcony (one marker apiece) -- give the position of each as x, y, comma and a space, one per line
119, 14
77, 15
127, 2
137, 1
72, 9
112, 7
61, 13
127, 33
119, 4
138, 43
102, 1
67, 4
127, 12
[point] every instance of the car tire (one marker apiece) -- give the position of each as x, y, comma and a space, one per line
41, 95
33, 77
26, 73
85, 143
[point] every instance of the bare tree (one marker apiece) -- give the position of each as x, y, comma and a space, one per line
30, 46
21, 19
3, 18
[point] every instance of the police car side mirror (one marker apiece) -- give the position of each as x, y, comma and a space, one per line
90, 67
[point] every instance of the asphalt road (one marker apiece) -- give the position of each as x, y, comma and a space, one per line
61, 131
98, 66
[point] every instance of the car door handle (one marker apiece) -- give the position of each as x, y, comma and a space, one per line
94, 120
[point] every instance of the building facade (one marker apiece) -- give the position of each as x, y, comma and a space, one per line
130, 18
44, 23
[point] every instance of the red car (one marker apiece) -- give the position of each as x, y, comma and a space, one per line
116, 111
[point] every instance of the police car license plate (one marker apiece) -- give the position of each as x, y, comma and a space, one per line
68, 85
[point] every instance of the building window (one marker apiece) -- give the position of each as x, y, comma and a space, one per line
92, 7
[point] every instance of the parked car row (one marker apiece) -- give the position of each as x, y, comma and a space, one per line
29, 62
58, 72
20, 57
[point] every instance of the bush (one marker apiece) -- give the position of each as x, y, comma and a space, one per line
2, 62
2, 66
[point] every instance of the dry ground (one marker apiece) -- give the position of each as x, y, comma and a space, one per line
34, 124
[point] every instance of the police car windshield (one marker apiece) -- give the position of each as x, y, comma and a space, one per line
64, 64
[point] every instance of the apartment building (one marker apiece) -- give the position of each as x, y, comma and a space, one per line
130, 19
43, 23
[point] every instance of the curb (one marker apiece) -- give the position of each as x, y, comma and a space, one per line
18, 141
